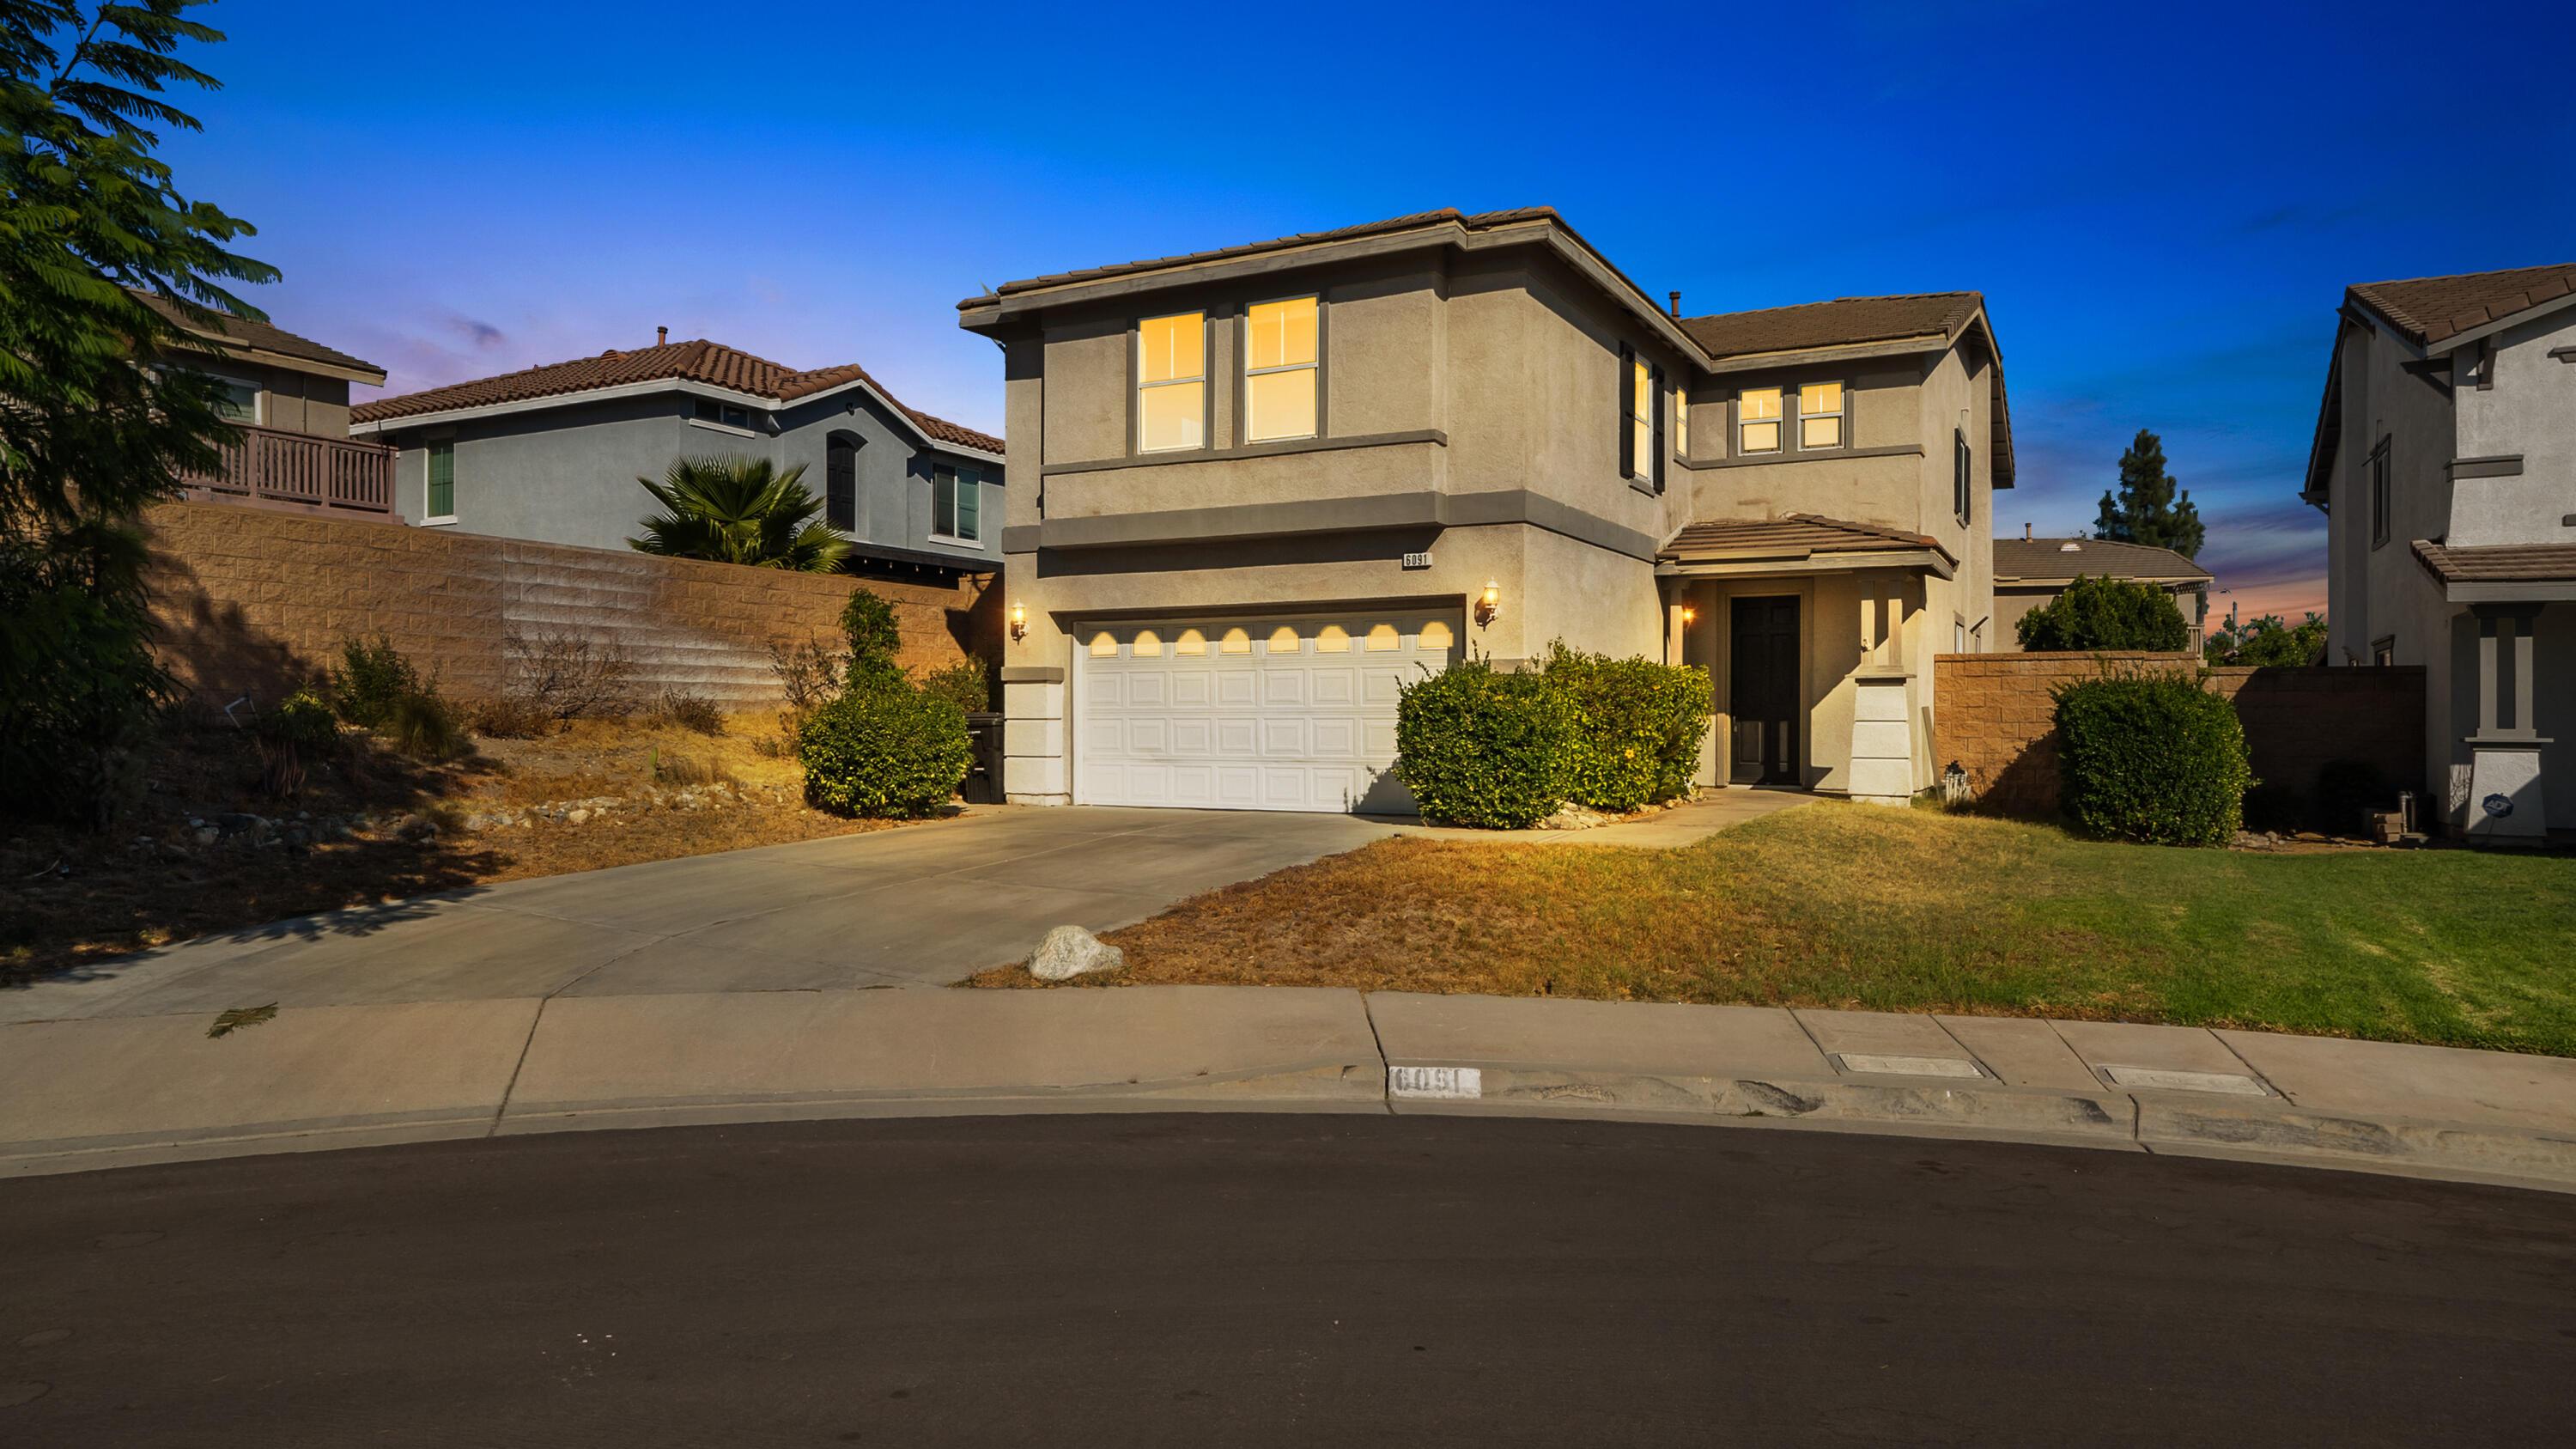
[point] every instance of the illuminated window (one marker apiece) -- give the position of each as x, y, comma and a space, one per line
1235, 642
1283, 640
1641, 423
1171, 382
1103, 647
1820, 415
1757, 420
1435, 635
1681, 421
1190, 642
1279, 370
1332, 639
1149, 644
1384, 637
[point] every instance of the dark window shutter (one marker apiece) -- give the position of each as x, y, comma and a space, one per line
1627, 434
1655, 400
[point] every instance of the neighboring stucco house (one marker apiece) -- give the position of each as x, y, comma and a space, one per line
2030, 573
1275, 481
552, 453
289, 396
2445, 461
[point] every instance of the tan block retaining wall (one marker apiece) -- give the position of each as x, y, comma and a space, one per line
253, 600
1992, 713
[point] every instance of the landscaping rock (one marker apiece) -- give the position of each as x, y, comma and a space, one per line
1570, 816
1070, 951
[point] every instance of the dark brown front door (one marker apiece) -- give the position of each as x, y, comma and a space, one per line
1762, 691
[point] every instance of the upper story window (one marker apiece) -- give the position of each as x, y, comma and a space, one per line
1962, 495
2379, 500
1681, 421
1171, 382
1280, 370
1641, 419
1820, 415
956, 503
708, 410
239, 402
441, 499
1757, 420
841, 484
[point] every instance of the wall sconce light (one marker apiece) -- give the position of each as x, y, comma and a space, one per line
1690, 615
1488, 603
1019, 622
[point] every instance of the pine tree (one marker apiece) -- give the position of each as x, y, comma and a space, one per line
2150, 509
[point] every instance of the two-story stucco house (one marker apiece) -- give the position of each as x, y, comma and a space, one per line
552, 453
1273, 482
2445, 461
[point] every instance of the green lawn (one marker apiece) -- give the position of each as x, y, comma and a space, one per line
1909, 910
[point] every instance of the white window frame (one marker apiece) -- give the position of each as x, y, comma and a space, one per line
1778, 420
1250, 372
1840, 415
958, 476
1136, 354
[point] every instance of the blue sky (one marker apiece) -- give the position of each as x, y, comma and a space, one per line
2162, 204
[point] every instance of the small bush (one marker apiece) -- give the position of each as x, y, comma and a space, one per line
371, 677
965, 683
1484, 749
426, 727
302, 721
875, 638
569, 675
2151, 756
510, 719
2347, 790
2105, 614
1642, 724
689, 770
682, 709
885, 751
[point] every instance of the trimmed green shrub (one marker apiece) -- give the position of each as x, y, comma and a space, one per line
2151, 756
875, 637
966, 683
1485, 749
890, 750
2105, 614
1642, 724
304, 720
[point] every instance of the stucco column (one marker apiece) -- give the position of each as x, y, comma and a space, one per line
2505, 800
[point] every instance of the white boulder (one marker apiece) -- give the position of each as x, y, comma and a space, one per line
1070, 951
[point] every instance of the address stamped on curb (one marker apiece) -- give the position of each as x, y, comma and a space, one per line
1447, 1082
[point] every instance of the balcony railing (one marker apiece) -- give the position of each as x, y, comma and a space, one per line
274, 466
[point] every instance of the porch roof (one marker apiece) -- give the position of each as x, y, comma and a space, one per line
1798, 543
2501, 572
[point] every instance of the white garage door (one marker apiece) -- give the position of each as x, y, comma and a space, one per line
1292, 713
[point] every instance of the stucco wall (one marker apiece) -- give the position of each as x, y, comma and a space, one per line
2531, 411
255, 600
1995, 718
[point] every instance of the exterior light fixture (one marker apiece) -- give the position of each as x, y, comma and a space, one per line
1488, 603
1690, 615
1019, 621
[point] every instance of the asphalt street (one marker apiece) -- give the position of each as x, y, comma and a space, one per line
1290, 1280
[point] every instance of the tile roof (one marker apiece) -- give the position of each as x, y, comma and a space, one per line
700, 361
1475, 221
262, 336
2433, 309
1843, 322
1797, 534
2017, 559
2504, 563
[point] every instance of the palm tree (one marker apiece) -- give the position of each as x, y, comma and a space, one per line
740, 511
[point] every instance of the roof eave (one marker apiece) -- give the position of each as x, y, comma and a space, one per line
769, 402
2495, 325
1788, 561
223, 346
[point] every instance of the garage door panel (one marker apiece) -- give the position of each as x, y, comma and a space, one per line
1308, 728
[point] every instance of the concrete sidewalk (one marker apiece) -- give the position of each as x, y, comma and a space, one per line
118, 1090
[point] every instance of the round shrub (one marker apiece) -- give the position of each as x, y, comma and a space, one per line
1485, 749
1642, 724
2105, 614
2152, 757
303, 719
890, 751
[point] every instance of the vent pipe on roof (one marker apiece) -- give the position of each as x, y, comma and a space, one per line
1676, 304
2025, 533
661, 336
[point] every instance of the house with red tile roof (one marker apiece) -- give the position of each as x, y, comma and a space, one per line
2445, 462
1280, 479
552, 453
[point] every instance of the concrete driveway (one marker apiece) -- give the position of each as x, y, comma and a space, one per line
923, 905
